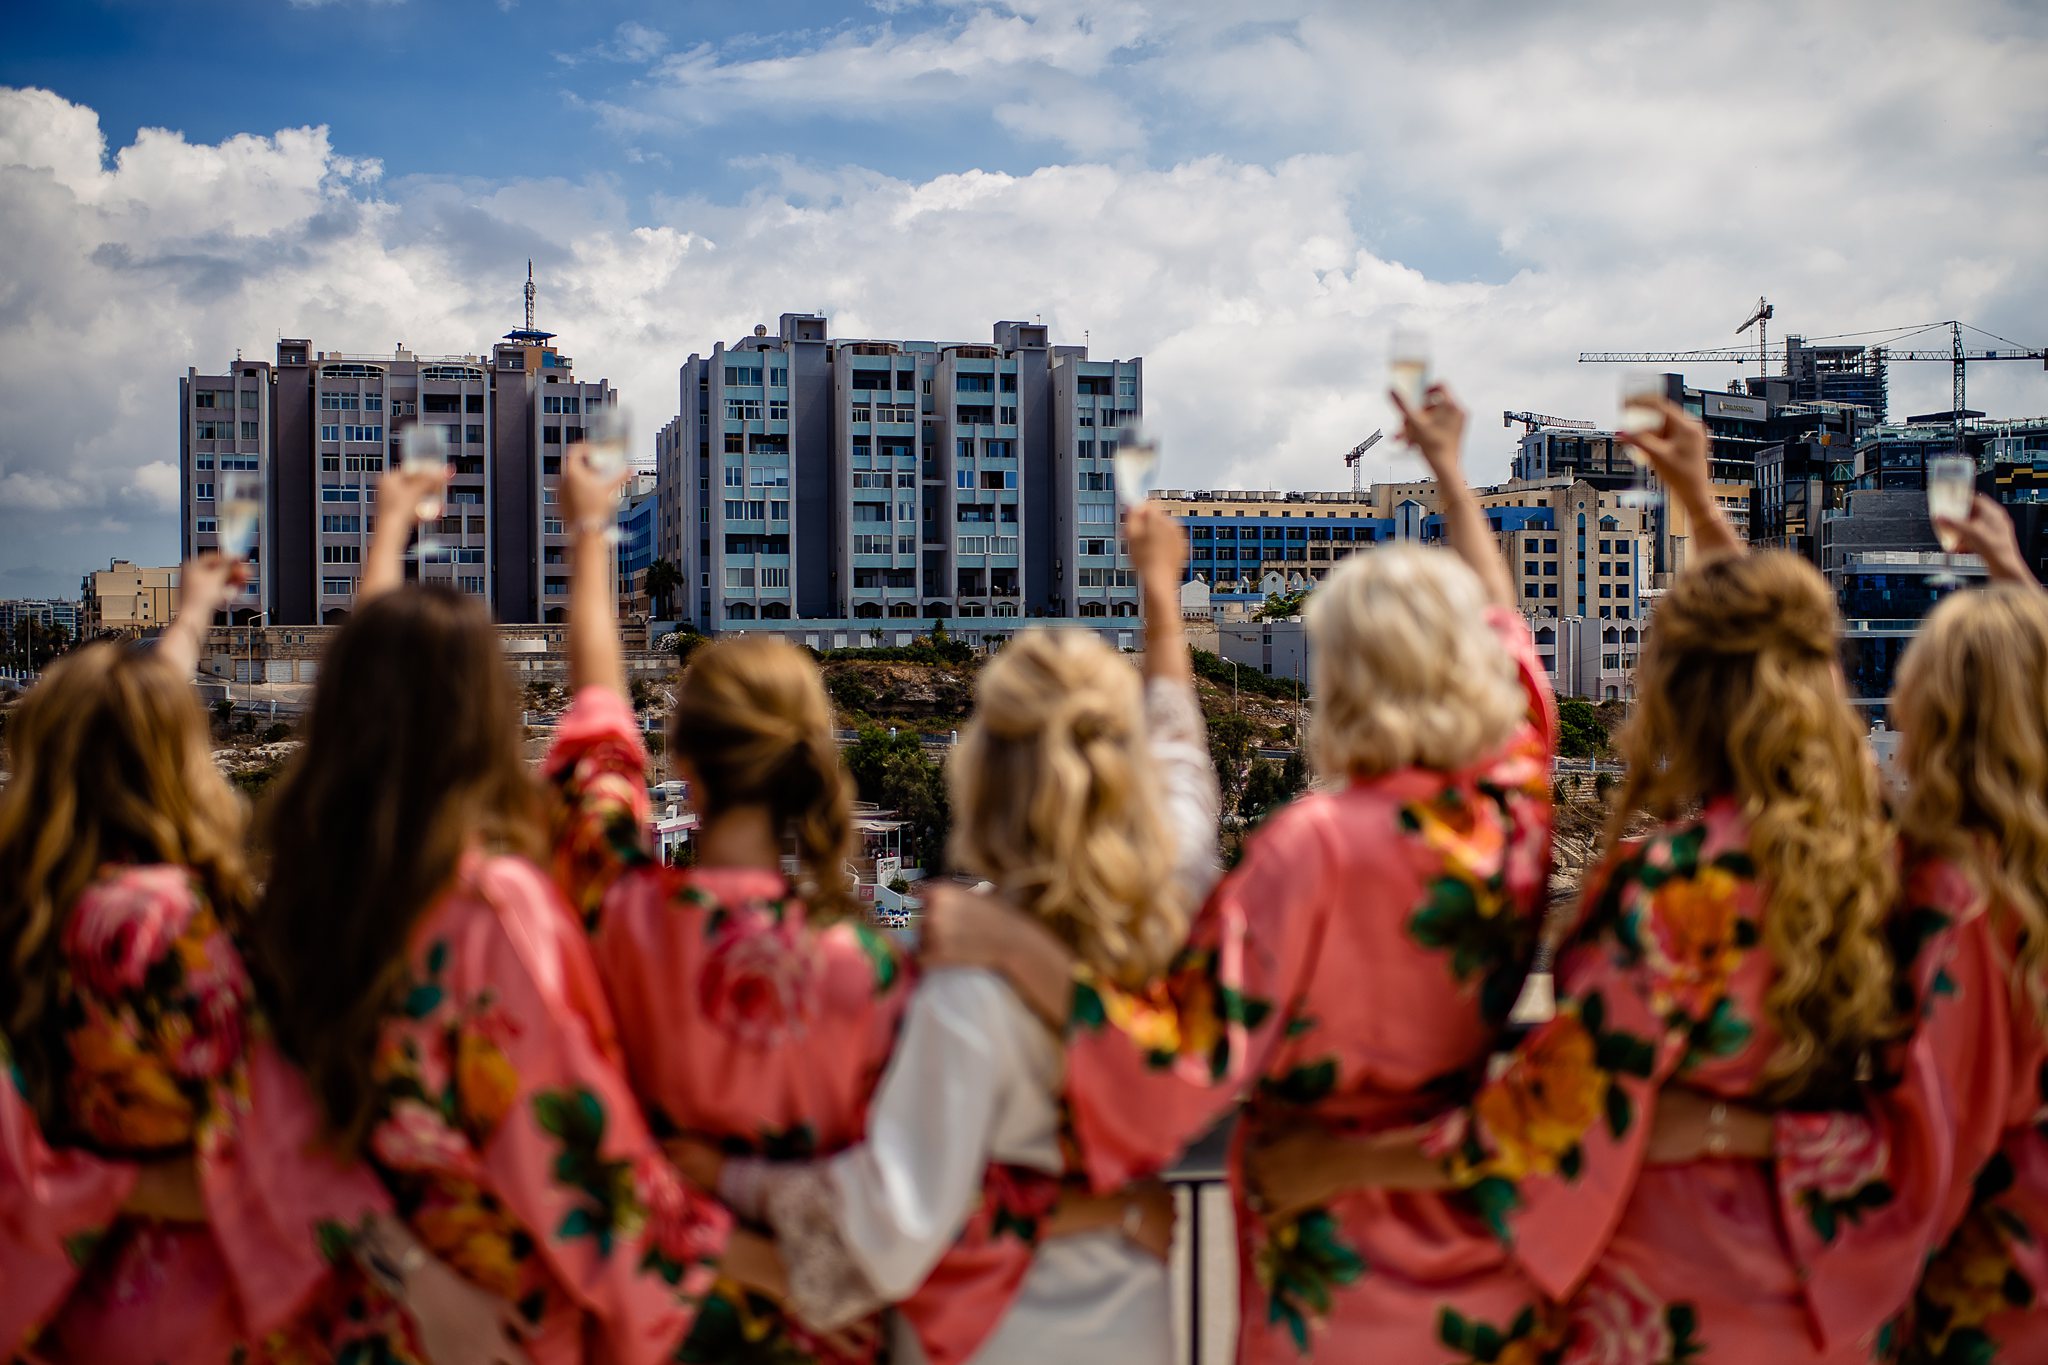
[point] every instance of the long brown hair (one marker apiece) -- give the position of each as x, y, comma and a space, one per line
111, 765
752, 720
1054, 801
1973, 707
1741, 695
412, 756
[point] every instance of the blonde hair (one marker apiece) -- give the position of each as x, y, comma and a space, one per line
1053, 801
1740, 694
752, 719
111, 766
1973, 707
1405, 671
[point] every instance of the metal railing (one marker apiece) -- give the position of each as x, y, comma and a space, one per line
1202, 1234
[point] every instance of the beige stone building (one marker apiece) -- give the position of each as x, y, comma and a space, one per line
128, 599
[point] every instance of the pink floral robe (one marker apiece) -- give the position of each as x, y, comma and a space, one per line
53, 1206
167, 1056
1983, 1299
511, 1140
1665, 984
745, 1023
1354, 972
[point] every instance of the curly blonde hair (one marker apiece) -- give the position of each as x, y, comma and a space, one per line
1741, 695
111, 765
1054, 802
1973, 708
1405, 671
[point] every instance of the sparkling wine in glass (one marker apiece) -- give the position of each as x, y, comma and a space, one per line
1134, 466
1951, 486
241, 511
1641, 391
607, 437
1408, 364
426, 451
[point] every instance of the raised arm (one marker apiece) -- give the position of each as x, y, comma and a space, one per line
1677, 450
589, 501
1437, 429
399, 495
1988, 534
1159, 553
204, 583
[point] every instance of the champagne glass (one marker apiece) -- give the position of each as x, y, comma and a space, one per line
1408, 364
241, 511
1951, 486
607, 436
1641, 391
425, 451
1134, 466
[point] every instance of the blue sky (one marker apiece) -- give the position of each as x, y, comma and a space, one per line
1251, 205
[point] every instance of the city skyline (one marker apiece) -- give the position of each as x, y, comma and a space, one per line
1250, 207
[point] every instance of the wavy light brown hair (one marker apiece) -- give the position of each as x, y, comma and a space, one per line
111, 765
1053, 801
1406, 671
752, 721
412, 756
1740, 694
1973, 708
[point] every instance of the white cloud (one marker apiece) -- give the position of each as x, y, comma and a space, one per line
631, 42
1524, 190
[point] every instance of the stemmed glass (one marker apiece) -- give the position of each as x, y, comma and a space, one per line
241, 510
425, 451
1135, 465
607, 437
1641, 390
1951, 486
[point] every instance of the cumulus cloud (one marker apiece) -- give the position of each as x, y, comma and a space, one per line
1522, 189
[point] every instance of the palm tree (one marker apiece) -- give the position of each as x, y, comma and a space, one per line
660, 584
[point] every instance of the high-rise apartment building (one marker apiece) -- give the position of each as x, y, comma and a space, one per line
832, 483
318, 427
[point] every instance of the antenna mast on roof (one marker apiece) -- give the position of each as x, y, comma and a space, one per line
529, 293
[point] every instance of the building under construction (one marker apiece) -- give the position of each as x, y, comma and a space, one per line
1826, 374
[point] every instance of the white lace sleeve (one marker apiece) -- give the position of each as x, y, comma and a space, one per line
828, 1289
864, 1228
1179, 740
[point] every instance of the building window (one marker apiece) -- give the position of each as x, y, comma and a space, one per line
248, 398
203, 398
774, 576
551, 526
472, 583
203, 492
205, 526
473, 434
341, 554
341, 523
551, 435
337, 587
330, 433
778, 409
373, 402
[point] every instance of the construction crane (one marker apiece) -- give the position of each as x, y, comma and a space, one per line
1760, 318
1355, 460
1955, 355
1532, 420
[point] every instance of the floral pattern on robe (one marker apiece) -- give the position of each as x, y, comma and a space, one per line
1353, 973
744, 1021
168, 1057
1666, 984
511, 1140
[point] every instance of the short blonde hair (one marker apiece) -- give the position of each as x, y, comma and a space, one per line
1405, 670
1054, 801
